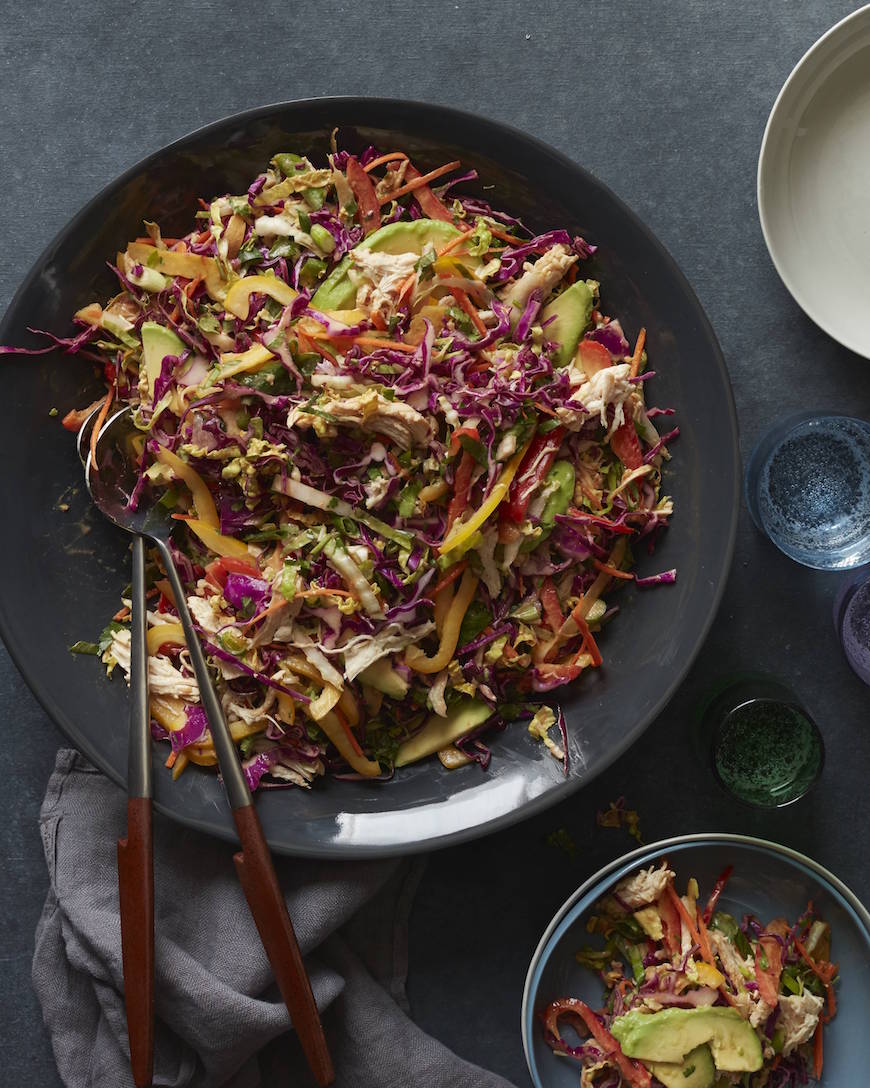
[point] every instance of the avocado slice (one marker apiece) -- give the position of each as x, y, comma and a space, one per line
337, 292
571, 312
157, 342
669, 1035
439, 732
696, 1070
383, 677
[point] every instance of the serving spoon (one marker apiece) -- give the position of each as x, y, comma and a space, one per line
111, 487
136, 850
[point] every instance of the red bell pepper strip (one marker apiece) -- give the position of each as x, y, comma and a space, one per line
593, 357
635, 1074
472, 432
626, 445
461, 488
429, 203
552, 607
768, 950
718, 888
535, 465
216, 572
364, 193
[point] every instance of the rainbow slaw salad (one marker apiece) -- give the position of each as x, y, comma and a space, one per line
694, 998
408, 453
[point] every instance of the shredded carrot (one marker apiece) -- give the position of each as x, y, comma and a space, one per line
203, 236
547, 411
98, 426
204, 204
605, 568
191, 286
176, 313
690, 925
419, 182
453, 243
824, 974
638, 353
170, 762
354, 743
394, 156
467, 305
377, 342
377, 320
121, 614
706, 951
818, 1053
588, 641
323, 592
311, 343
496, 233
276, 607
450, 577
407, 286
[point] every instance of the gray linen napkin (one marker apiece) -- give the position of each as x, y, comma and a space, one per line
216, 1003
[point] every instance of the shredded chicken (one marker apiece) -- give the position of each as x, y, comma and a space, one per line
163, 677
608, 386
372, 411
644, 887
381, 276
799, 1015
541, 276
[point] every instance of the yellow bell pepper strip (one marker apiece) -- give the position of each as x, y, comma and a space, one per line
238, 362
339, 733
238, 300
168, 711
216, 542
186, 265
203, 502
462, 530
416, 659
162, 634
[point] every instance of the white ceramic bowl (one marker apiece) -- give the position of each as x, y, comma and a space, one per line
814, 182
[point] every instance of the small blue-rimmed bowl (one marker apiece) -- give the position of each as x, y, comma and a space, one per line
768, 880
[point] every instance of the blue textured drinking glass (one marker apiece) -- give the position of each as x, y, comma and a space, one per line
852, 622
808, 489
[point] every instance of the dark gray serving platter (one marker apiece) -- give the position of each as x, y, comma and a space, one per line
61, 570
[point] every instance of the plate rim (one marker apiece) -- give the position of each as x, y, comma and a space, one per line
654, 850
821, 43
354, 851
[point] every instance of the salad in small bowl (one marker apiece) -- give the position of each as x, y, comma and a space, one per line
702, 962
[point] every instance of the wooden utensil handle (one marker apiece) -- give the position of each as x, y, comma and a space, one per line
136, 891
266, 901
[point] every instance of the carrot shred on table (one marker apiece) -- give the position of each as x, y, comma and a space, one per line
419, 182
98, 426
393, 156
638, 353
171, 758
121, 614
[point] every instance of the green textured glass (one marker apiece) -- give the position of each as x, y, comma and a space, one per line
766, 750
767, 753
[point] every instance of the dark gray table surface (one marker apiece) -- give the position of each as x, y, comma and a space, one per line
667, 104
